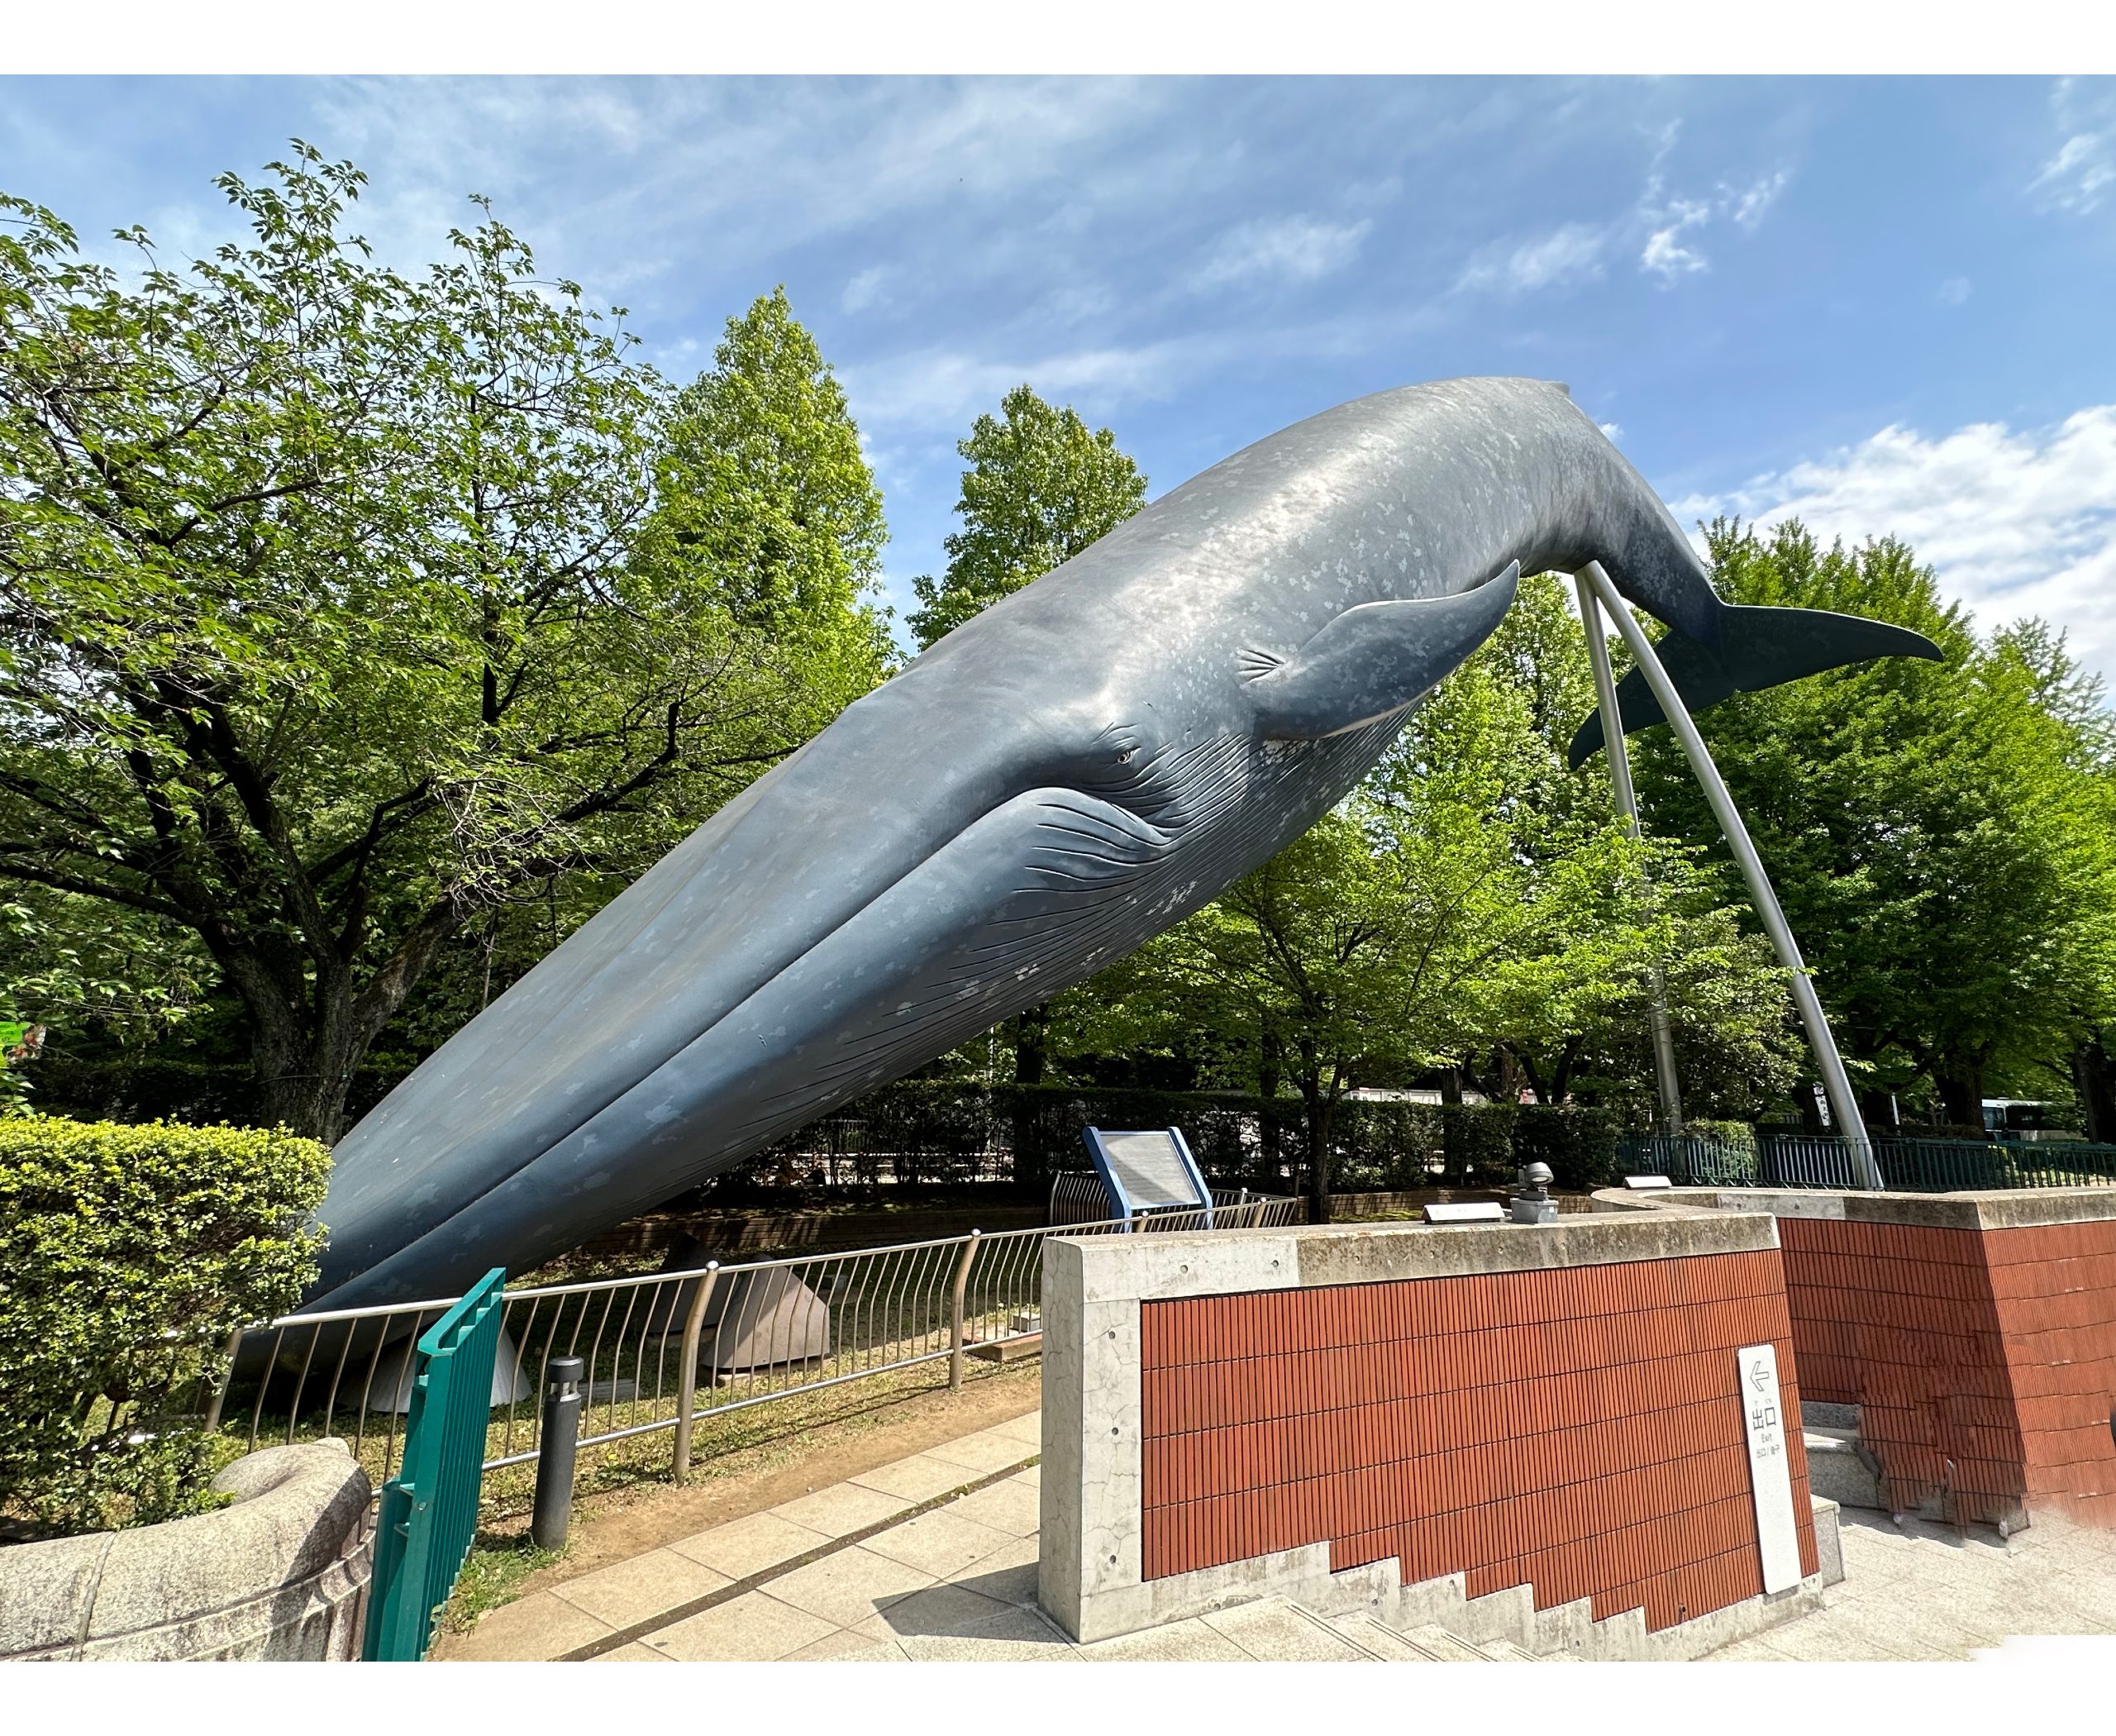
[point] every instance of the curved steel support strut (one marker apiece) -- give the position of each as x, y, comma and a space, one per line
1619, 757
1835, 1081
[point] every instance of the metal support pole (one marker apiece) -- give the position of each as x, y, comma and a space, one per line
687, 1372
227, 1379
955, 1311
1835, 1080
1619, 759
556, 1444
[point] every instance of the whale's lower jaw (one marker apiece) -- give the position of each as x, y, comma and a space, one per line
929, 964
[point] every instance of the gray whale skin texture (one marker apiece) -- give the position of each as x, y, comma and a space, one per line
1079, 767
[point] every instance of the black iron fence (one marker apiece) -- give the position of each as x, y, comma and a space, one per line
1906, 1165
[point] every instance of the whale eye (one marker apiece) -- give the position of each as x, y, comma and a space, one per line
1126, 757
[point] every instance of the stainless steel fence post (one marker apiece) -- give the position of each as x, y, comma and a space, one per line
955, 1311
687, 1375
227, 1379
1820, 1039
557, 1443
1619, 759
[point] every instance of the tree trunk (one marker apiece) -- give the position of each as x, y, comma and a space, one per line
1960, 1081
2094, 1077
1318, 1143
1451, 1085
1032, 1032
1271, 1057
304, 1074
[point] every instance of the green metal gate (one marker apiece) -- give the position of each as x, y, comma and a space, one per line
429, 1508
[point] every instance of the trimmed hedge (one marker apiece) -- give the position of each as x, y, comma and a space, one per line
944, 1131
131, 1254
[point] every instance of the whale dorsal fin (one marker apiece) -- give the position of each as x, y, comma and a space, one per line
1372, 660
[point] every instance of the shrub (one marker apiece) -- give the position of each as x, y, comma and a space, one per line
1580, 1145
131, 1255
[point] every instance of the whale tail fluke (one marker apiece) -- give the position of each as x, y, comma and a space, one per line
1758, 647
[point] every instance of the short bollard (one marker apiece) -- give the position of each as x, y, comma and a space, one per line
554, 1451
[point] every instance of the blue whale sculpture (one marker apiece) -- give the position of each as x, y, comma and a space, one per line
1079, 767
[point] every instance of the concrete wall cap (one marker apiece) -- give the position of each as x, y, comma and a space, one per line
2000, 1208
1162, 1266
294, 1508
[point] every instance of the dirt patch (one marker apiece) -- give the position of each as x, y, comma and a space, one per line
806, 1450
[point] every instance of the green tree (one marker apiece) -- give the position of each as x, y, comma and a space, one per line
1941, 835
321, 630
1041, 487
763, 491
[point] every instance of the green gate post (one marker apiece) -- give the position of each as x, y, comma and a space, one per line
429, 1508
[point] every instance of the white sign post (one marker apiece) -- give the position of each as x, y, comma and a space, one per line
1771, 1467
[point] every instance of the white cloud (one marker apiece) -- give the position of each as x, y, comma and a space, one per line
1663, 253
1667, 255
2084, 168
1570, 251
2015, 523
1749, 205
1300, 248
1612, 429
934, 387
865, 290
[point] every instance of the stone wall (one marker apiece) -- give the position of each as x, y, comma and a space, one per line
280, 1573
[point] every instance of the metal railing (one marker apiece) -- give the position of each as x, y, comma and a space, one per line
666, 1350
1906, 1165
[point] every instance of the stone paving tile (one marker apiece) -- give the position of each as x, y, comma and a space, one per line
746, 1546
632, 1591
1013, 1636
841, 1509
1009, 1506
846, 1588
531, 1629
754, 1628
1183, 1642
940, 1610
1028, 1429
633, 1653
984, 1452
919, 1478
1008, 1574
942, 1543
848, 1646
1274, 1632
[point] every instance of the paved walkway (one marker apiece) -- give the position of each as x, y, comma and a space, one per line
933, 1557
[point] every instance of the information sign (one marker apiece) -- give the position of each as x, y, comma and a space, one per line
1771, 1466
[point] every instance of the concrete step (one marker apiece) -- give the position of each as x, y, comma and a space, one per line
1442, 1646
1839, 1469
1377, 1639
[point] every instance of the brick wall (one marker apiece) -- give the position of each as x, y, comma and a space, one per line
1983, 1360
1576, 1429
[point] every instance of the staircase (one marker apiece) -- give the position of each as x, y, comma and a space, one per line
1840, 1468
1436, 1622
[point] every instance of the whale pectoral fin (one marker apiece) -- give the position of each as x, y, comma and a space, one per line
1373, 660
1759, 647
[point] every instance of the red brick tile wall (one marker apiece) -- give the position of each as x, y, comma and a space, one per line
1984, 1361
1576, 1430
1900, 1319
2054, 1289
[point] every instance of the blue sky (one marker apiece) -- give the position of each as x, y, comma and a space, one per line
1884, 303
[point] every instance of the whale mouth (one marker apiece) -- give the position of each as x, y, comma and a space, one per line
926, 957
